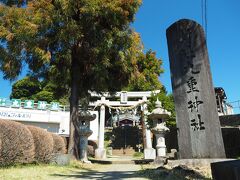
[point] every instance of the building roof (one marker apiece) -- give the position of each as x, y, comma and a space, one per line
219, 91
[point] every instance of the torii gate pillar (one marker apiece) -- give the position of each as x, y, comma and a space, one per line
100, 152
149, 152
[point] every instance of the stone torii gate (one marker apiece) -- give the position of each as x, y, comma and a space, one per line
100, 152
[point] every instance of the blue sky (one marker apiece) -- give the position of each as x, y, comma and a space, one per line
155, 16
223, 36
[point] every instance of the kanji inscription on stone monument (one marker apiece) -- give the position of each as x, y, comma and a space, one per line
199, 133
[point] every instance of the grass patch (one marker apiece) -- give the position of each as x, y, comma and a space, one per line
43, 171
138, 155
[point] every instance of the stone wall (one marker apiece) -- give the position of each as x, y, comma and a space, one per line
230, 125
231, 139
231, 134
171, 139
230, 120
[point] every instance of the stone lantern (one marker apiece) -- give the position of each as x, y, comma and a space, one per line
84, 131
159, 129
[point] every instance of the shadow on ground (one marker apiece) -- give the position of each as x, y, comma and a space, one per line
100, 175
177, 173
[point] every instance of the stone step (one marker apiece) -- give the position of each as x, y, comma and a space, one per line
121, 160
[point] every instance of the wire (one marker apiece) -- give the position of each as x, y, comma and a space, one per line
206, 22
202, 13
204, 16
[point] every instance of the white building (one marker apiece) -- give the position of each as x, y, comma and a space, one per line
52, 121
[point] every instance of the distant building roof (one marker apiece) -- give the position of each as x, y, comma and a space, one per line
219, 91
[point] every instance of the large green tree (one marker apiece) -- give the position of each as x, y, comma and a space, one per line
32, 88
89, 40
146, 68
145, 76
25, 88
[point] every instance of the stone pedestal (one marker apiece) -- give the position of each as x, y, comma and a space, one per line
100, 153
149, 153
161, 146
159, 131
85, 133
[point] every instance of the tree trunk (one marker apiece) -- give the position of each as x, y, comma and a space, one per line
73, 146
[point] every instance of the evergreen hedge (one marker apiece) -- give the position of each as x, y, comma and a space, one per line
59, 145
43, 142
21, 144
16, 143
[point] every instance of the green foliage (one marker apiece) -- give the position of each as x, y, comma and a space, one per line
146, 68
138, 155
25, 88
82, 44
32, 88
146, 73
48, 35
58, 93
167, 103
43, 96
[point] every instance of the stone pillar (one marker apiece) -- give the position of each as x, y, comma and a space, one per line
149, 152
148, 138
100, 152
199, 133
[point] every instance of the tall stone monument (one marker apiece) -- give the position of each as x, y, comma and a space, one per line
199, 133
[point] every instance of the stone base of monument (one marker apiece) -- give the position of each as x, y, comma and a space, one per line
61, 159
172, 155
160, 161
100, 153
195, 162
226, 170
149, 153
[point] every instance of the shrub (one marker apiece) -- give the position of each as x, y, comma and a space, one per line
59, 145
92, 146
43, 143
16, 143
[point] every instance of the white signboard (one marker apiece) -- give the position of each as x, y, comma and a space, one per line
124, 97
44, 117
15, 115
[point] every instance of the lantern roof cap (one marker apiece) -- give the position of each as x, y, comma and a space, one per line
159, 111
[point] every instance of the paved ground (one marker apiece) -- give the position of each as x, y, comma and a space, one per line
110, 171
121, 168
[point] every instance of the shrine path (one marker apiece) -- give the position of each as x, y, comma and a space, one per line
110, 171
